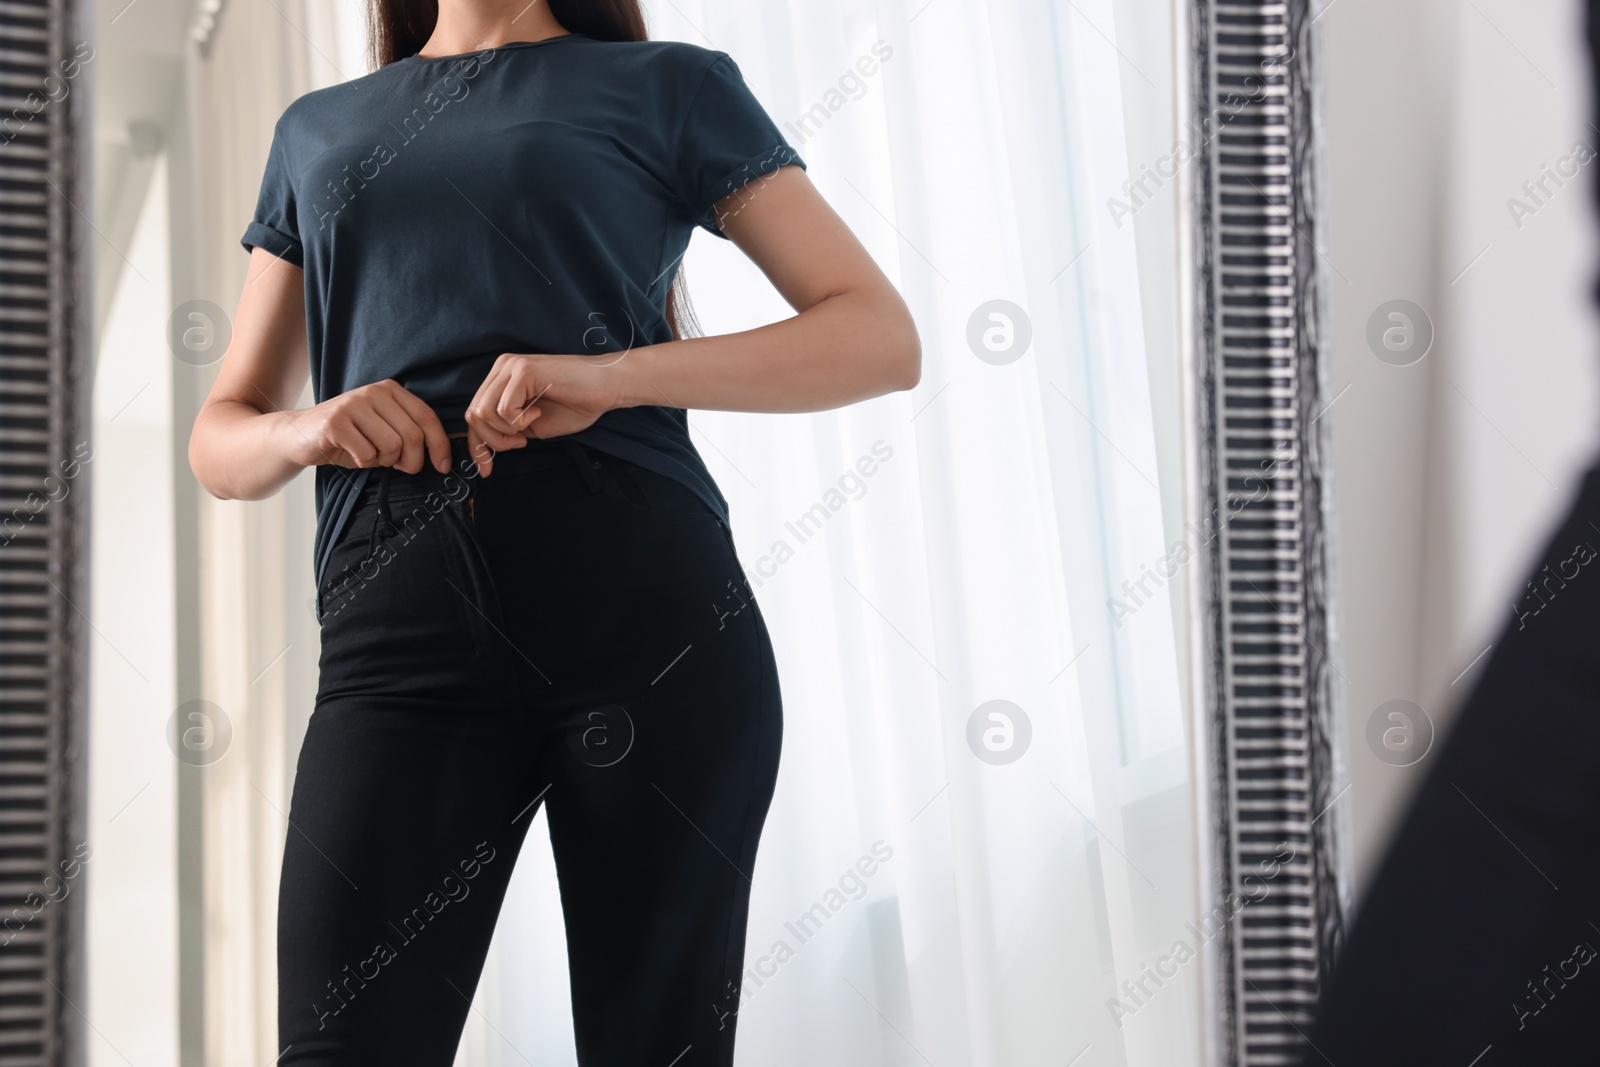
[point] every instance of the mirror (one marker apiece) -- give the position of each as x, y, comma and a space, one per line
992, 598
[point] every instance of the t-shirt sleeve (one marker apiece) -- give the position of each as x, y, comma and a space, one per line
274, 227
727, 142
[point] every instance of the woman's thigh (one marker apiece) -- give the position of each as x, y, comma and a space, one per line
403, 829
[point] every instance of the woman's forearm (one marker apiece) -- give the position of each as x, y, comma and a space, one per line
845, 348
238, 452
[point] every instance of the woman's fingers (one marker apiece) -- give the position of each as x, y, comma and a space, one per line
491, 441
385, 442
383, 424
519, 393
482, 455
436, 441
413, 450
483, 443
485, 405
345, 435
501, 412
524, 397
495, 439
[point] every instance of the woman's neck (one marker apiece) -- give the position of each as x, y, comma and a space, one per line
470, 25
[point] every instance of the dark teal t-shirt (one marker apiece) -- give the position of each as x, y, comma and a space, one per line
534, 197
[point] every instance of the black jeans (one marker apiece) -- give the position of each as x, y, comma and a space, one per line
573, 631
1479, 935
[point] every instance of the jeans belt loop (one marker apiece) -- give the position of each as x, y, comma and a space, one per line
586, 465
383, 497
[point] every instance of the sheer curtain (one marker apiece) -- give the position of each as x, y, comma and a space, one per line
922, 555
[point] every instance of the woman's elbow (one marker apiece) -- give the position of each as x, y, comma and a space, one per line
197, 463
205, 449
911, 362
906, 346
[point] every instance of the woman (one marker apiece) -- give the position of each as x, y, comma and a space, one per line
526, 585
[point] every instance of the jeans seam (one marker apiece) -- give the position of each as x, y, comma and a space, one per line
334, 581
747, 853
491, 613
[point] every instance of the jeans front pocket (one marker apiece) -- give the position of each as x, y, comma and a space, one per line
411, 618
643, 489
349, 557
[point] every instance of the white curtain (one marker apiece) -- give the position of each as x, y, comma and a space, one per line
1006, 505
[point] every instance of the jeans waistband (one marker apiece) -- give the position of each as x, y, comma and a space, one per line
390, 483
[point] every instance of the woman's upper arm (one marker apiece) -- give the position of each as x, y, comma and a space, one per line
267, 362
803, 247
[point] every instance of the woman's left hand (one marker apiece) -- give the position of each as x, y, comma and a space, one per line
537, 396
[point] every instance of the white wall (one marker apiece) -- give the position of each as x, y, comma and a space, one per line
1450, 471
132, 913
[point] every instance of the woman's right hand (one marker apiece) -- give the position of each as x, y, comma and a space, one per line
379, 425
249, 440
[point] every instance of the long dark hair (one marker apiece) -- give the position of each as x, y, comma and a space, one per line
399, 28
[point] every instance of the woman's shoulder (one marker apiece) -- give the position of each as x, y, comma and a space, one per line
660, 60
336, 98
